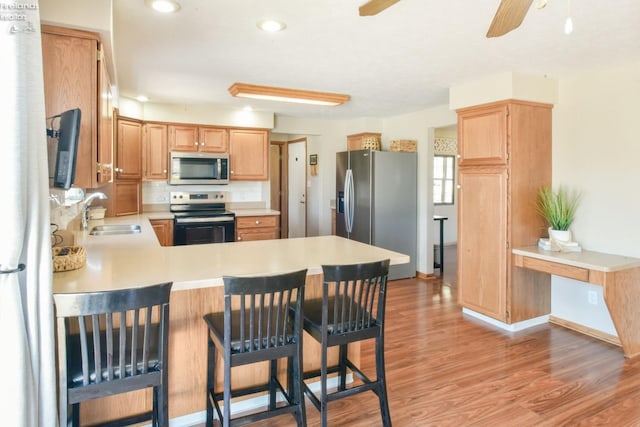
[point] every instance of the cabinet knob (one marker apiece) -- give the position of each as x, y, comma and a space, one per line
164, 171
257, 222
195, 143
239, 237
231, 172
459, 156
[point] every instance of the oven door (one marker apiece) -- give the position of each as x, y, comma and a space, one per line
194, 230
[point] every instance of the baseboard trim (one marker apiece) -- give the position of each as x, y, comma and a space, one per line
611, 339
425, 276
513, 327
247, 405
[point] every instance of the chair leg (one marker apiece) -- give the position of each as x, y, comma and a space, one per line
211, 357
226, 413
273, 373
162, 408
342, 361
323, 386
298, 388
75, 414
382, 383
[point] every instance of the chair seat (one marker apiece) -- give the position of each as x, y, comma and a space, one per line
74, 366
313, 318
216, 325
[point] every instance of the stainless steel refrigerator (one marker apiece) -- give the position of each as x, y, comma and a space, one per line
376, 202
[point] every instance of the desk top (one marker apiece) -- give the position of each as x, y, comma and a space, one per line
591, 260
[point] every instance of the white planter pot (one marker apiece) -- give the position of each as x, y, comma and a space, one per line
560, 235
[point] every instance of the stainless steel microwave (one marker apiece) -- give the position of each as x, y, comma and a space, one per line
198, 168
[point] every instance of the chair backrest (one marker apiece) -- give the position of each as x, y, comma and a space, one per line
267, 310
357, 293
112, 335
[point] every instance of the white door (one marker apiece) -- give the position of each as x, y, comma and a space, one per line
297, 188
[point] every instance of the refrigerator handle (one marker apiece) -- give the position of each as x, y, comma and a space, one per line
350, 200
346, 200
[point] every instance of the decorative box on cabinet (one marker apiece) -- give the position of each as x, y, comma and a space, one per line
164, 230
155, 154
209, 139
504, 157
257, 228
74, 75
364, 140
248, 154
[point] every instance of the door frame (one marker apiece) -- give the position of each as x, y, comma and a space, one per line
283, 149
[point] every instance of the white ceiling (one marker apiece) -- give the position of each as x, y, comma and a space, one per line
402, 60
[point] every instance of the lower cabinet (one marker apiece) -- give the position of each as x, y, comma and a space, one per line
257, 228
164, 230
128, 197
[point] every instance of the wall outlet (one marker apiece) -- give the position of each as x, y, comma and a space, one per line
593, 297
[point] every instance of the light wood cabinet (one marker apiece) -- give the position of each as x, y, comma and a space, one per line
248, 154
155, 154
164, 230
505, 156
128, 197
257, 228
208, 139
105, 126
129, 150
73, 78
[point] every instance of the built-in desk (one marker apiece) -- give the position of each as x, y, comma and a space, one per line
618, 275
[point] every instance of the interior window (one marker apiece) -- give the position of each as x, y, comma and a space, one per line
443, 179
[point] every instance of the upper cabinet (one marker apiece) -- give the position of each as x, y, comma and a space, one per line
155, 152
248, 149
482, 136
73, 78
129, 150
207, 139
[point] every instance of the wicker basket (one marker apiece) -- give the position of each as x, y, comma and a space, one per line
406, 145
73, 257
371, 142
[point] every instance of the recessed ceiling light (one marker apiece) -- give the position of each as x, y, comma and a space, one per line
271, 26
142, 98
163, 6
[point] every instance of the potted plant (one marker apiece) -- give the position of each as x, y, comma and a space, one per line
558, 208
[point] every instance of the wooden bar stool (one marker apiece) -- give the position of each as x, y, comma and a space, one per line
352, 309
113, 342
262, 321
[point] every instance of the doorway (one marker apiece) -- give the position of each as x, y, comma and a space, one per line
297, 187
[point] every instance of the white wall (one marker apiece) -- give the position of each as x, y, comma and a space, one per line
596, 149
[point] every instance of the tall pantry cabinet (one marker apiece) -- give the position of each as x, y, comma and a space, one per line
504, 158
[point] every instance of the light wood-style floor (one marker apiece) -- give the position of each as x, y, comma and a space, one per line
445, 369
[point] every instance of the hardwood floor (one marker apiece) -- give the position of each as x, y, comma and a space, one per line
446, 369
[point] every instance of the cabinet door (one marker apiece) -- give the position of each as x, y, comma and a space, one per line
105, 126
128, 200
482, 135
248, 155
164, 231
155, 156
69, 60
129, 150
482, 241
183, 138
213, 140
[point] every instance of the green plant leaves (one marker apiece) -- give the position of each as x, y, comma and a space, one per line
557, 208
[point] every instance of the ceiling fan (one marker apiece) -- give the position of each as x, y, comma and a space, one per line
509, 15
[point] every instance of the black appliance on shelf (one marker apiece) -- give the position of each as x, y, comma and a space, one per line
201, 217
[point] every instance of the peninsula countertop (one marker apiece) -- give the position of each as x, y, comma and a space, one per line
131, 260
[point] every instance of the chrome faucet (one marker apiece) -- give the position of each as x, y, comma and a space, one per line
85, 204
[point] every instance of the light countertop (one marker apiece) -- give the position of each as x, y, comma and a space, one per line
131, 260
591, 260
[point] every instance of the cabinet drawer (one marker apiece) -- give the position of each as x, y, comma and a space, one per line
249, 235
256, 222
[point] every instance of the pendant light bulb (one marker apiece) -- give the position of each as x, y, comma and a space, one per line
568, 26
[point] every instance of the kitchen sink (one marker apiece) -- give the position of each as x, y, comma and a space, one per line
114, 229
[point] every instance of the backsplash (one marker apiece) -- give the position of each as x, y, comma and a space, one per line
157, 192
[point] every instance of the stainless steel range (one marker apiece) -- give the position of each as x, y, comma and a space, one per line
201, 217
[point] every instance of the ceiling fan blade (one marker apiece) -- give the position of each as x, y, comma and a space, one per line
373, 7
509, 16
